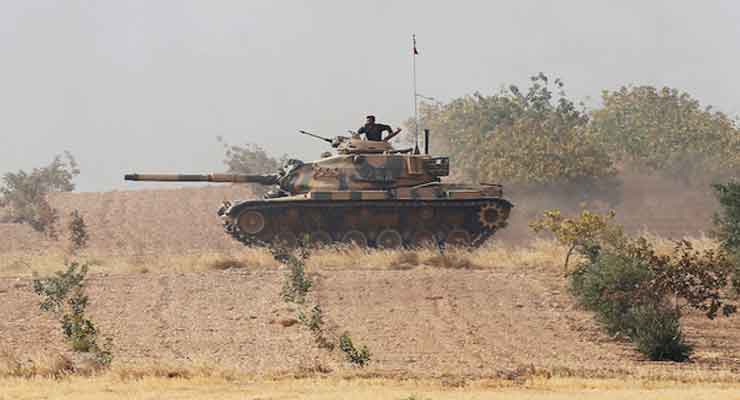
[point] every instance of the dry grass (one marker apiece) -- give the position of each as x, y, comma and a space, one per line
539, 253
37, 366
203, 385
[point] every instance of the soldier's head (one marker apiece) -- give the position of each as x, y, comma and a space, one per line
370, 119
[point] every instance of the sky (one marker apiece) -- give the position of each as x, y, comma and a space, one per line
148, 86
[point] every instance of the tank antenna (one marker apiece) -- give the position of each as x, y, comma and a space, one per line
416, 95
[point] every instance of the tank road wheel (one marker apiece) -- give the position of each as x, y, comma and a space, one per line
286, 239
320, 238
426, 213
458, 237
423, 238
355, 237
389, 239
251, 222
490, 216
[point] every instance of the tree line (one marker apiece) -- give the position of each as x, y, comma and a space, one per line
539, 137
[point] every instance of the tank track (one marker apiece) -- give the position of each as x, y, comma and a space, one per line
337, 217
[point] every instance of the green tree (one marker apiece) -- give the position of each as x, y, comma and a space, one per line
25, 194
536, 137
668, 131
248, 159
727, 223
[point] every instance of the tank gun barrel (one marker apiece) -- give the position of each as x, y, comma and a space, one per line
225, 178
316, 136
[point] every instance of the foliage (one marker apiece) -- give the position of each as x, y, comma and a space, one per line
727, 220
590, 230
357, 357
315, 323
727, 223
537, 137
248, 159
78, 235
297, 284
63, 295
667, 130
657, 333
695, 278
630, 288
25, 194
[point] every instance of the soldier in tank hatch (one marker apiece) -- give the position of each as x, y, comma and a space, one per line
375, 131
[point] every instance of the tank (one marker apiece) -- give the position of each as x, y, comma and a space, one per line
366, 193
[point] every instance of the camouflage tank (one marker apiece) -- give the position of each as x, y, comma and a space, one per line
368, 194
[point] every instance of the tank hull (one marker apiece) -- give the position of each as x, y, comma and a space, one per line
386, 223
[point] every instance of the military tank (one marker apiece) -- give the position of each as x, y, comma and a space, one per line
368, 194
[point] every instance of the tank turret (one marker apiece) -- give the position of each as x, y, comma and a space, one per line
367, 193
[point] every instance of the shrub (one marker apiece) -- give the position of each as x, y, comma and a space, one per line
727, 224
315, 324
25, 194
357, 357
78, 235
63, 295
587, 233
607, 285
656, 332
297, 284
630, 287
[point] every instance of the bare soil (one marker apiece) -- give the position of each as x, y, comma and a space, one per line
422, 321
419, 322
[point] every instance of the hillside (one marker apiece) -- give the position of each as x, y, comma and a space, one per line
423, 321
193, 295
181, 220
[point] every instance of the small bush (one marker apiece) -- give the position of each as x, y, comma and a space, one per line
657, 334
357, 357
629, 289
608, 286
297, 284
586, 234
63, 295
315, 323
78, 235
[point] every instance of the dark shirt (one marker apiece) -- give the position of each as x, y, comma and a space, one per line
374, 131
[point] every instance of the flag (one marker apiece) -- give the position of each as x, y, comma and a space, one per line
416, 52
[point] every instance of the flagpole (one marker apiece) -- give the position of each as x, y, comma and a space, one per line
416, 114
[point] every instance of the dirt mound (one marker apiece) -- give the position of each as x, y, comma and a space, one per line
151, 221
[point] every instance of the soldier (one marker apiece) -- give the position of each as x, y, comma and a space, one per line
375, 131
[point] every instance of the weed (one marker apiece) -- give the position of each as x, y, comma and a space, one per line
78, 235
63, 295
297, 284
357, 357
315, 323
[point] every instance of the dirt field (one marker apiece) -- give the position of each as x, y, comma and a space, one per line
160, 288
423, 321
